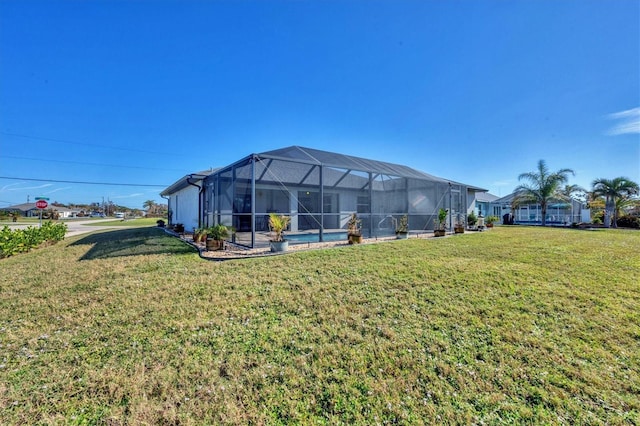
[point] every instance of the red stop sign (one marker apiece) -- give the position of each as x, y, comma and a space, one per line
41, 204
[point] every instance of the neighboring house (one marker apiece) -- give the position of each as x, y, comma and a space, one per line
63, 212
559, 212
30, 210
320, 190
485, 207
24, 209
185, 200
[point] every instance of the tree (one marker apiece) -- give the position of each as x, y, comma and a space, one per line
542, 186
570, 192
617, 193
149, 205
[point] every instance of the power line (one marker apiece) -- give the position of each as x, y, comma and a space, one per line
78, 143
85, 183
89, 164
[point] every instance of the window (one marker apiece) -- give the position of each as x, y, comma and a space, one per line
363, 205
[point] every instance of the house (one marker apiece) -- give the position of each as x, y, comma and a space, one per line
30, 210
559, 212
319, 190
24, 209
485, 205
185, 200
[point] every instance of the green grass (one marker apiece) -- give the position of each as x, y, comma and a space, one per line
134, 223
21, 221
516, 325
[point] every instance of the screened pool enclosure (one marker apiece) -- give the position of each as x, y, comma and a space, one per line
320, 190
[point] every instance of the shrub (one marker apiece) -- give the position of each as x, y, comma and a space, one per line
472, 219
598, 217
17, 241
629, 221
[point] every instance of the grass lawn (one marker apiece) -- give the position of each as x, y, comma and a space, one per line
515, 325
144, 221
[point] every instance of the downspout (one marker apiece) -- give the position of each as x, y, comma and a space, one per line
200, 191
168, 206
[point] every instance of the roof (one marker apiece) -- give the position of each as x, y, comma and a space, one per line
25, 207
485, 197
183, 182
332, 159
553, 201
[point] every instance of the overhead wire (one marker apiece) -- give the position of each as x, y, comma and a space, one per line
85, 183
89, 164
79, 143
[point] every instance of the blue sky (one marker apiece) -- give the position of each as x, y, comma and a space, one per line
144, 92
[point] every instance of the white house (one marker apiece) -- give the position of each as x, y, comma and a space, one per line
484, 205
185, 200
559, 212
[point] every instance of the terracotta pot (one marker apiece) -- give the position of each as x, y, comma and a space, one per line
214, 244
355, 239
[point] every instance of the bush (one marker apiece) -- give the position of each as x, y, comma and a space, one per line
629, 221
472, 219
598, 217
17, 241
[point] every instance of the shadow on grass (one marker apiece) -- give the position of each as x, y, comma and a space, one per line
132, 242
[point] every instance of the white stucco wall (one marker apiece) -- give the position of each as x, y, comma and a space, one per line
184, 205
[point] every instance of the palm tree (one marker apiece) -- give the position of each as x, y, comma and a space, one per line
568, 191
149, 205
542, 186
617, 192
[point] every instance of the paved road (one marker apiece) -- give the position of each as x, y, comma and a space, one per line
75, 226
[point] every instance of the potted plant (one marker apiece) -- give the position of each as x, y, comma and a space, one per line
353, 229
489, 220
215, 236
278, 224
199, 235
179, 228
402, 230
458, 228
441, 224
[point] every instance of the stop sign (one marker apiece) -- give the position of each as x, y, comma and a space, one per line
41, 204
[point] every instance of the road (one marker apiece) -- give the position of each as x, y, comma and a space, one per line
74, 226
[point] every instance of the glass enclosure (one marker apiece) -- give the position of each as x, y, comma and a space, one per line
320, 190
